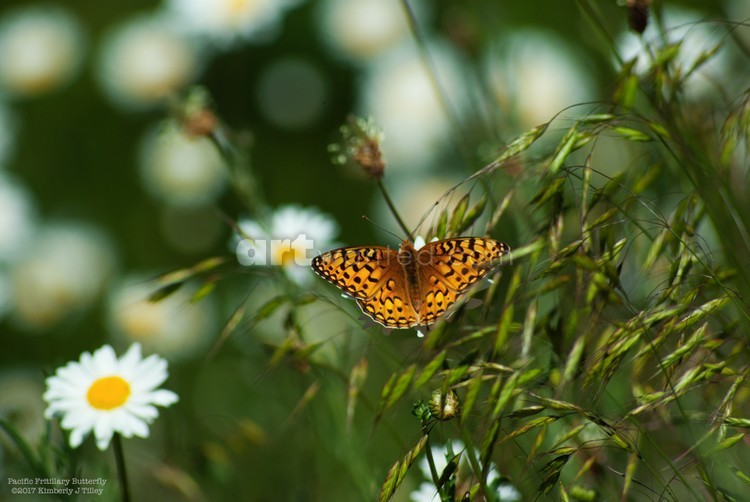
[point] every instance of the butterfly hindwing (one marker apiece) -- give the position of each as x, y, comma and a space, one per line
389, 305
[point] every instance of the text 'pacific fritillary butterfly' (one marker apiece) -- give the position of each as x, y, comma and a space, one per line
409, 287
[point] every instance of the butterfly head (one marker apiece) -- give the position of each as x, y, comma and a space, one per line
406, 253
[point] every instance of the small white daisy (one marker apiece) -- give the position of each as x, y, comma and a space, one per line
363, 29
107, 395
41, 49
227, 21
144, 61
288, 240
181, 169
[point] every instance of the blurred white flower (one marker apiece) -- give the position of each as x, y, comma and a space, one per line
227, 21
63, 271
7, 134
17, 219
288, 239
696, 37
363, 29
41, 49
175, 326
400, 94
181, 169
144, 61
292, 93
535, 75
103, 394
20, 404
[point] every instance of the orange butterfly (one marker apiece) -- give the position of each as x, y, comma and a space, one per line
409, 287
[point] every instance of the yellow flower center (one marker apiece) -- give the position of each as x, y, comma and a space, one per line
108, 393
286, 255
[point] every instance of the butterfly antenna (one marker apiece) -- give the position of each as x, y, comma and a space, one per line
383, 228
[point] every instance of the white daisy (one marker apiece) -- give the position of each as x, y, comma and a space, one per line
226, 21
181, 169
144, 61
363, 29
173, 326
288, 240
104, 394
40, 50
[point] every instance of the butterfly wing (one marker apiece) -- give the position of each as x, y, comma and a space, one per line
388, 306
357, 271
450, 267
373, 276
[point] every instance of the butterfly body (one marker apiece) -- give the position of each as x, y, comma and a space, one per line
409, 287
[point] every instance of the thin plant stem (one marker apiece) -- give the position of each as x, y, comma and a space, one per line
122, 475
392, 207
433, 469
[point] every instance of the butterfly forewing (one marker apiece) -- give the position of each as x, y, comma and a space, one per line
459, 263
358, 271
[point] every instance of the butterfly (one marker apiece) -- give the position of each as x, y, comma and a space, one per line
408, 287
